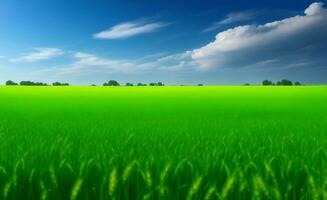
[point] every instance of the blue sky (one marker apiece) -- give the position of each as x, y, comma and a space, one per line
181, 42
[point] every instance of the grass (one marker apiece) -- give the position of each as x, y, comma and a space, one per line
163, 142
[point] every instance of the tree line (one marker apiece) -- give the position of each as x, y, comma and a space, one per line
284, 82
116, 83
32, 83
109, 83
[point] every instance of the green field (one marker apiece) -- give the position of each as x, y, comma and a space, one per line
163, 142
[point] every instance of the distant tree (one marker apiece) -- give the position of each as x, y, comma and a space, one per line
297, 83
141, 84
129, 84
40, 84
10, 82
31, 83
25, 83
200, 84
111, 83
60, 84
285, 82
247, 84
93, 85
157, 84
267, 82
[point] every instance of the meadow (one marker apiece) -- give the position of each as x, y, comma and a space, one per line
237, 142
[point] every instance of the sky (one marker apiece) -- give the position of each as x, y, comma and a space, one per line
221, 42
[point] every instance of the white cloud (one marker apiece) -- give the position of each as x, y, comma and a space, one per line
232, 18
315, 8
294, 39
39, 54
129, 29
90, 62
86, 63
174, 57
182, 65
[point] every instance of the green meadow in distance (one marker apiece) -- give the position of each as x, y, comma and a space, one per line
227, 142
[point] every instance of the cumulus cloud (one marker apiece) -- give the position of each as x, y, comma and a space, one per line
232, 18
39, 54
314, 9
129, 29
285, 42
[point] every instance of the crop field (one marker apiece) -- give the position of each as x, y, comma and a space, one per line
240, 142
